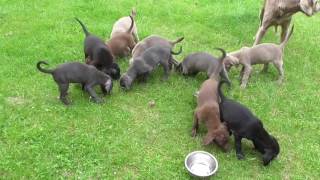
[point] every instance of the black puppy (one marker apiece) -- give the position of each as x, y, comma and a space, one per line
143, 65
98, 54
243, 124
76, 72
203, 62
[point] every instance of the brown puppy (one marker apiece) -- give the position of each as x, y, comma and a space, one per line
122, 43
123, 24
207, 111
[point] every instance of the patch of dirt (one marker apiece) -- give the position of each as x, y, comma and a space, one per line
15, 100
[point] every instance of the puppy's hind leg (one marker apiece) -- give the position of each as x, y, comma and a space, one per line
279, 65
165, 66
63, 88
265, 68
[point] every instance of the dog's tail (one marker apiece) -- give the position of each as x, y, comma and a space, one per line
131, 26
176, 41
49, 71
133, 12
86, 32
220, 93
177, 53
286, 39
221, 64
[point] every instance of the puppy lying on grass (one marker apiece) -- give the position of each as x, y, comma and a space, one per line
208, 112
143, 65
243, 124
260, 54
121, 43
150, 41
98, 54
76, 72
123, 24
202, 62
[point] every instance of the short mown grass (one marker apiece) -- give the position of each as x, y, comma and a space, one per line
126, 139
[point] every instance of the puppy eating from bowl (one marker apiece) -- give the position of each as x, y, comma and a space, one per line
75, 72
259, 54
243, 124
143, 65
207, 111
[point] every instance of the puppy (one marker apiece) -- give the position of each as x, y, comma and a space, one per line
123, 24
143, 65
150, 41
203, 62
96, 52
260, 54
76, 72
243, 124
207, 111
280, 12
121, 43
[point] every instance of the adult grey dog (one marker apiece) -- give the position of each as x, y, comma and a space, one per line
143, 65
260, 54
76, 72
153, 40
280, 12
204, 62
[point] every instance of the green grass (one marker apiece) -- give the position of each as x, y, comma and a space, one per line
125, 138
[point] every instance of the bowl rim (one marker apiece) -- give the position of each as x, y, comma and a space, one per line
203, 152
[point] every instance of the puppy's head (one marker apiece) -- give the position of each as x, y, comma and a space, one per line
271, 152
309, 7
108, 85
230, 61
125, 82
113, 71
222, 137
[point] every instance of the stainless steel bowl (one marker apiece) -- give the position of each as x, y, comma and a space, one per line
201, 164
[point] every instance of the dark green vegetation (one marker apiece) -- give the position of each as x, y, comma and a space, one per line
125, 138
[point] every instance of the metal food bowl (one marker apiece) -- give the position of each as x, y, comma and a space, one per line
201, 164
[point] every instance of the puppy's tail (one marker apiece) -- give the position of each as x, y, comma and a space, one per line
131, 26
221, 64
288, 35
176, 41
177, 53
220, 93
86, 32
133, 12
49, 71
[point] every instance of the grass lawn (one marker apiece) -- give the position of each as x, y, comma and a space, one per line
126, 139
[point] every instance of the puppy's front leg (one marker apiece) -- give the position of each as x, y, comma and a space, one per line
239, 152
93, 94
195, 124
246, 75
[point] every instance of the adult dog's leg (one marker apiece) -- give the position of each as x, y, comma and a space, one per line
284, 30
63, 88
246, 75
239, 153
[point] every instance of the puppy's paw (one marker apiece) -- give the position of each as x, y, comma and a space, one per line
98, 100
240, 156
194, 133
243, 86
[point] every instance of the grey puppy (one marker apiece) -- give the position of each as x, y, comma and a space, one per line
143, 65
153, 40
203, 62
260, 54
76, 72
